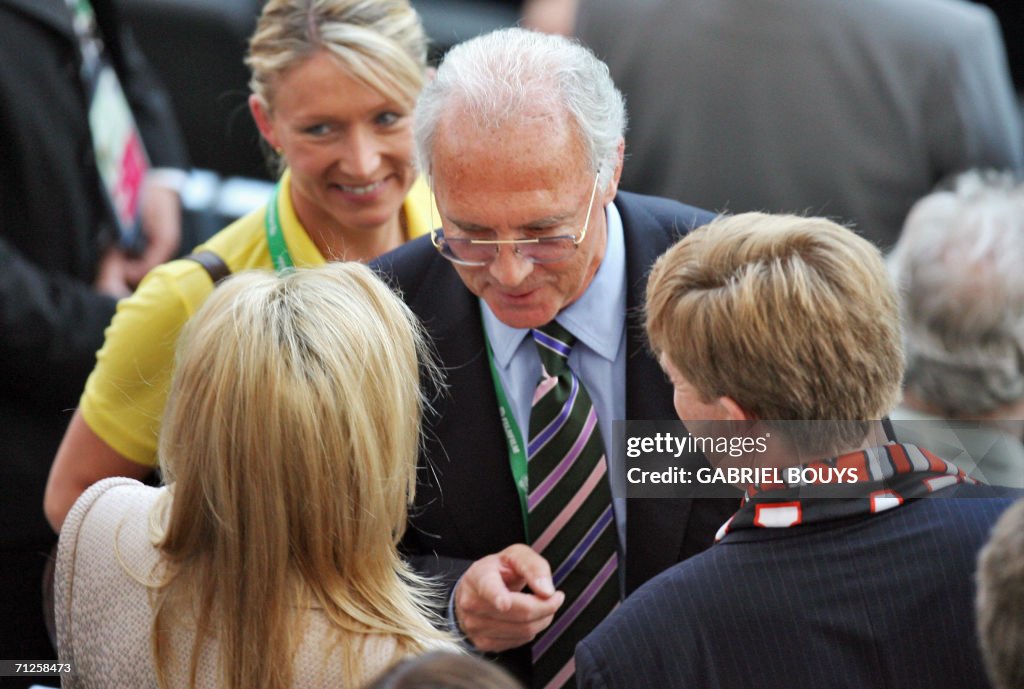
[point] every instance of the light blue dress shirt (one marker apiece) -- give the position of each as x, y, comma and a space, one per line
598, 320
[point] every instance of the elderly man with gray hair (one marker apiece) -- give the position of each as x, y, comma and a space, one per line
958, 266
528, 287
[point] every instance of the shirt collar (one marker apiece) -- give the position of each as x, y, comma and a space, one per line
588, 317
418, 208
885, 477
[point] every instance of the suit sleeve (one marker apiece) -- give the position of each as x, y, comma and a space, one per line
445, 571
51, 325
147, 96
983, 121
589, 668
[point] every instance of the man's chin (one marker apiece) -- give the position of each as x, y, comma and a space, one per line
525, 317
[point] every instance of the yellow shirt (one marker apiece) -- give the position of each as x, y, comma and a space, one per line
125, 395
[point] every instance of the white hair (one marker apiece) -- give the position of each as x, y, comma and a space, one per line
959, 265
499, 75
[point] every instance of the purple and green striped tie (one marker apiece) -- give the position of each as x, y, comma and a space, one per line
569, 509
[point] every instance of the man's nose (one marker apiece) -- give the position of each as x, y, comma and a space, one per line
509, 268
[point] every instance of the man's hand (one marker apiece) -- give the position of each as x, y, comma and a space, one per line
491, 607
110, 276
161, 226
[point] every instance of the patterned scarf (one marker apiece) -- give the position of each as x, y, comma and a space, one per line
883, 478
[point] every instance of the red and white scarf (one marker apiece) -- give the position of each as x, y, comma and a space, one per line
886, 477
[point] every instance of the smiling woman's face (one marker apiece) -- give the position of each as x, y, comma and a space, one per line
349, 148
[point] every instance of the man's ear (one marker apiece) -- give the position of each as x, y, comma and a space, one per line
261, 115
613, 186
733, 411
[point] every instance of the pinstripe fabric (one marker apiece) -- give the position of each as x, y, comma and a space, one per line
879, 599
570, 509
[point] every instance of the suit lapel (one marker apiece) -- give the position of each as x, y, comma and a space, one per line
653, 544
467, 411
52, 13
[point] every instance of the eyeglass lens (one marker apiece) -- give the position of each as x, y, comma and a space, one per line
544, 250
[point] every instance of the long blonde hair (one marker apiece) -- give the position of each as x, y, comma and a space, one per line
289, 443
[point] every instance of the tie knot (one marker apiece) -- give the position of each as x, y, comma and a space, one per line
553, 344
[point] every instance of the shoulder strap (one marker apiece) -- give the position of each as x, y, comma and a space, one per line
214, 265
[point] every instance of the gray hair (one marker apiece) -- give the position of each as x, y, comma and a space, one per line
959, 265
499, 75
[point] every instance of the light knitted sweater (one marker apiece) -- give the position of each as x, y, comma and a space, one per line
104, 616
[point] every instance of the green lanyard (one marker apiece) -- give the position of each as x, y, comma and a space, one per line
82, 8
279, 255
516, 451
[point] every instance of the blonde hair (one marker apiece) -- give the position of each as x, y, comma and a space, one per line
445, 670
289, 442
793, 318
1000, 599
381, 42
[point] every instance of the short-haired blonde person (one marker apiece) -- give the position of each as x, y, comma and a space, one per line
1000, 600
843, 583
333, 84
445, 670
748, 296
269, 560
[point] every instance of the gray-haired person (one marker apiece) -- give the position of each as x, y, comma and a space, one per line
538, 257
958, 269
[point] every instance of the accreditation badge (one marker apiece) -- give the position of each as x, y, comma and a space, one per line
120, 154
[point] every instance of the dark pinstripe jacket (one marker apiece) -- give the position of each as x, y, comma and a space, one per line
880, 601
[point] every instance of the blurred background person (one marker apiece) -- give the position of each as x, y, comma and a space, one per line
823, 583
270, 558
445, 670
62, 261
1011, 20
958, 269
334, 83
851, 110
1000, 601
550, 16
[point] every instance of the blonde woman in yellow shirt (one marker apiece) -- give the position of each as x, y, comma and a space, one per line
333, 85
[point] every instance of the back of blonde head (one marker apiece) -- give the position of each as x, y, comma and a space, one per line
381, 42
290, 442
793, 318
441, 670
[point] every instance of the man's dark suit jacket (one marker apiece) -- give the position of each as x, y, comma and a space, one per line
466, 504
53, 222
882, 600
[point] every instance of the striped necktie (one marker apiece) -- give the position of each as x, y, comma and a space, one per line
570, 509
